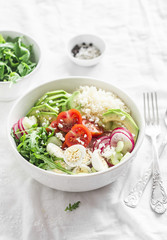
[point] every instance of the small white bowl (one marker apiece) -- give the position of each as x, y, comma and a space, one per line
72, 183
10, 92
87, 38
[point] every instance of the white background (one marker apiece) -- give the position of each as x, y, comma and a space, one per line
135, 60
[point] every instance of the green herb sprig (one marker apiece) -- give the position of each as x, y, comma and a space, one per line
72, 207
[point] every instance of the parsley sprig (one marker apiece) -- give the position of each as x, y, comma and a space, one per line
72, 207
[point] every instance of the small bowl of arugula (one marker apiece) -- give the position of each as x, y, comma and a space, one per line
20, 56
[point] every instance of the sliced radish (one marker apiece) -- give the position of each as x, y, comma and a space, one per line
15, 129
101, 143
120, 136
26, 123
21, 127
124, 130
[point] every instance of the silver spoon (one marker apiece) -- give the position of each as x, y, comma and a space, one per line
136, 192
164, 142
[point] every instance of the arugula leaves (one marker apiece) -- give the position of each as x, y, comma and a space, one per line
15, 59
32, 147
72, 207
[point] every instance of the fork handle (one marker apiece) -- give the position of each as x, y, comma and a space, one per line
158, 196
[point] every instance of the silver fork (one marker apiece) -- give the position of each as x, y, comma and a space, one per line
158, 197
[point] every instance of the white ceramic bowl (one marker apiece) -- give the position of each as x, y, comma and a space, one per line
72, 183
87, 38
10, 92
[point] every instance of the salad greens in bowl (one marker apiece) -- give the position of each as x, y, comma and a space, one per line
75, 133
19, 58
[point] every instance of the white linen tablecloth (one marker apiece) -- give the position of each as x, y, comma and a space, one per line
136, 58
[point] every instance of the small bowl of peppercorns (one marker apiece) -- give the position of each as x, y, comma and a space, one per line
86, 49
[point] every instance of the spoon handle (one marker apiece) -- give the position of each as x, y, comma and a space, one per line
158, 196
162, 146
136, 192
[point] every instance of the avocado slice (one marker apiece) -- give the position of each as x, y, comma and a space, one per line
41, 108
57, 103
49, 94
117, 115
55, 98
71, 103
45, 117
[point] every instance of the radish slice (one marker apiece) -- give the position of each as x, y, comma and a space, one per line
20, 126
15, 129
26, 123
101, 143
124, 130
120, 136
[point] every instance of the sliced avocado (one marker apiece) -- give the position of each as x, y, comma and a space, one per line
71, 101
117, 115
45, 117
64, 107
55, 98
58, 103
49, 94
41, 108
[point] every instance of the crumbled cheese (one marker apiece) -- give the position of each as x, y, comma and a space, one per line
95, 102
57, 109
108, 151
123, 118
60, 136
60, 125
80, 141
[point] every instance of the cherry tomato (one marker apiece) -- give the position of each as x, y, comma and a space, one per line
79, 134
94, 128
66, 120
64, 146
53, 125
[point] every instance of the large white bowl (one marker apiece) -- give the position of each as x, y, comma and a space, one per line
10, 92
72, 183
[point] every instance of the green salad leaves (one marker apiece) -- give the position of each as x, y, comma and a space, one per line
32, 146
16, 59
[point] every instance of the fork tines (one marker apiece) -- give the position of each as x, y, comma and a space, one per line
151, 108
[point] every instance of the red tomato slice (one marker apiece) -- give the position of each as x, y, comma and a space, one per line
66, 120
94, 128
64, 146
79, 134
53, 125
